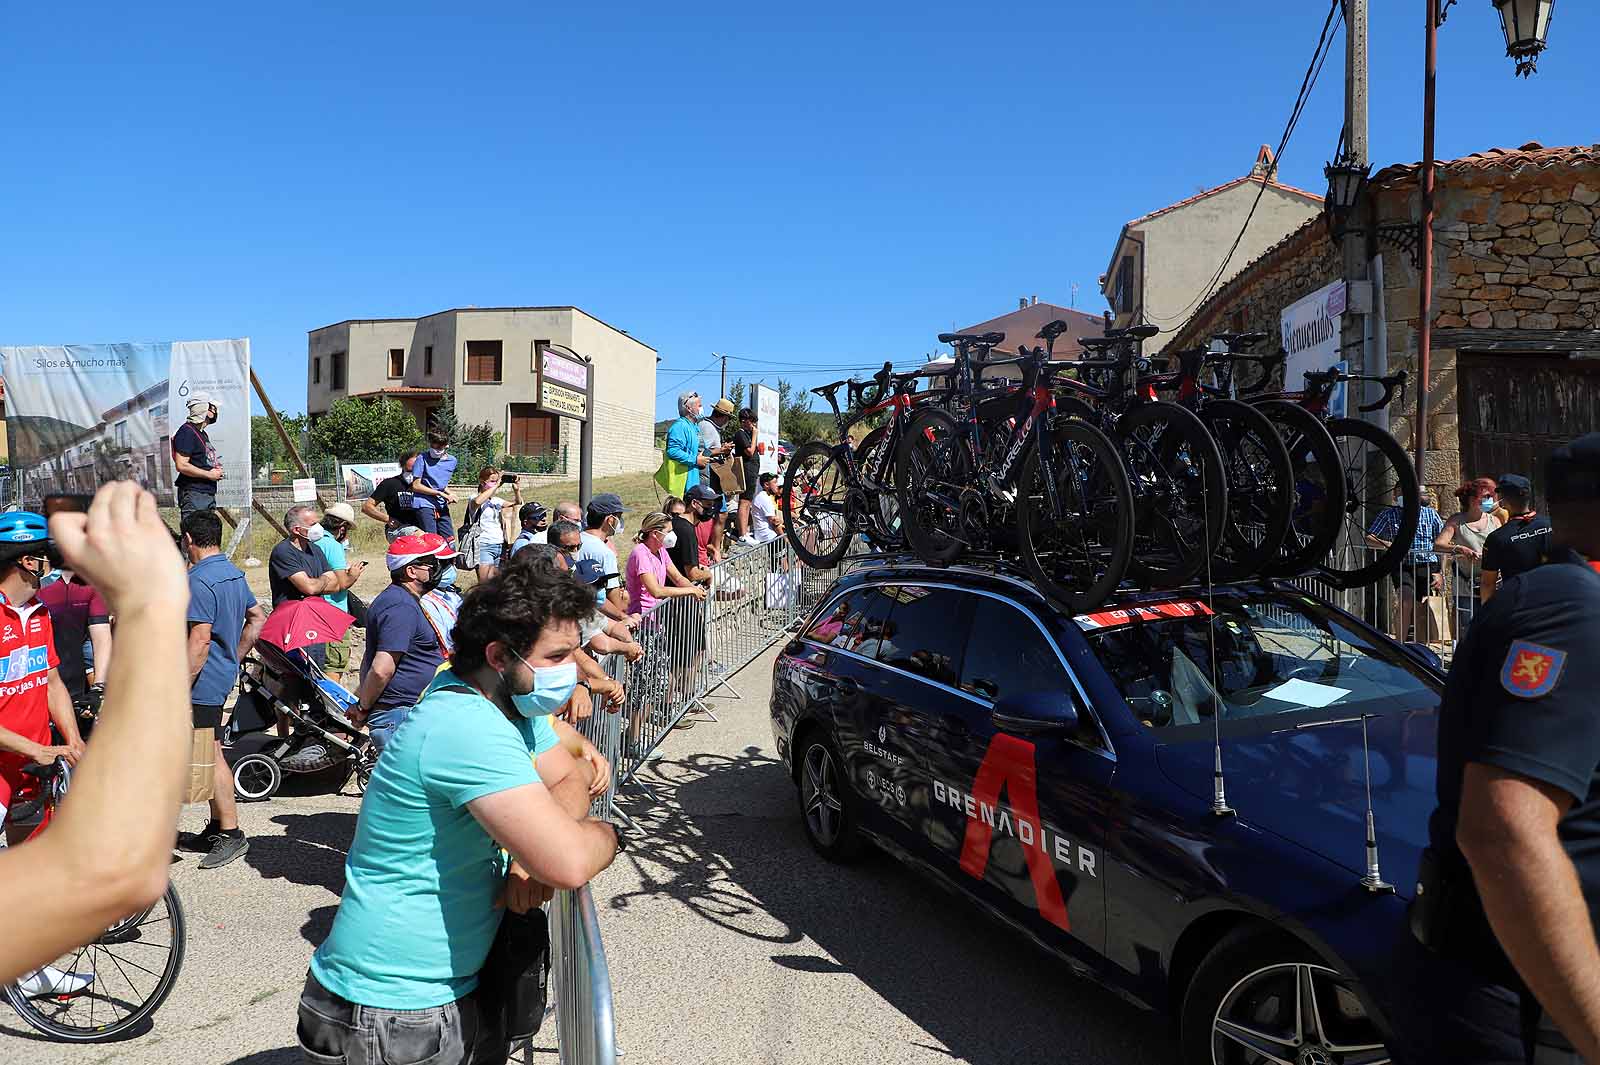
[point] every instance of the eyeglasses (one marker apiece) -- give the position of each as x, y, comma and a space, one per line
568, 549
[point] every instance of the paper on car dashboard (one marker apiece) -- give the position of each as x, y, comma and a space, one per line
1306, 693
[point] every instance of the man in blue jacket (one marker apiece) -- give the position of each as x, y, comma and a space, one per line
683, 438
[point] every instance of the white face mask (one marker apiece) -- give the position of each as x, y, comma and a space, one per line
619, 529
314, 533
670, 540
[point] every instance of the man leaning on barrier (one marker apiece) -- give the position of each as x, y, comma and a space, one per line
399, 972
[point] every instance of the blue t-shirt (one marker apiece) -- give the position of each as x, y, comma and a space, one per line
417, 915
592, 547
333, 553
435, 473
395, 623
219, 596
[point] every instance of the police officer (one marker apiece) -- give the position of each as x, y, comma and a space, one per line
1502, 964
1518, 545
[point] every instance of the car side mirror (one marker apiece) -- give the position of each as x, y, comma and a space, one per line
1036, 712
1426, 654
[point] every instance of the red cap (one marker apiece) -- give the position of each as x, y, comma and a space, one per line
408, 549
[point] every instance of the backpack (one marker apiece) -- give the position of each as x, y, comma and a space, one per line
467, 541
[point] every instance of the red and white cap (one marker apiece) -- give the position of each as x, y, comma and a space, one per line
408, 549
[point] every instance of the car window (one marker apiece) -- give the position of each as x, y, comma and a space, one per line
854, 622
1274, 653
1008, 654
926, 631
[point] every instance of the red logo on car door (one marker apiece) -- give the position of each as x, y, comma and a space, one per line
1008, 765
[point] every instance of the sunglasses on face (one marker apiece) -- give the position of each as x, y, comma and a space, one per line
567, 549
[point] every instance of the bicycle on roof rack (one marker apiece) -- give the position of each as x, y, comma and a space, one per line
104, 988
1175, 468
1343, 483
833, 492
998, 468
1261, 474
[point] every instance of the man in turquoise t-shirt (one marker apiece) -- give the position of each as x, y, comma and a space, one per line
424, 872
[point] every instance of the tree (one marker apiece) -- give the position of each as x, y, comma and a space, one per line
736, 392
797, 422
474, 446
366, 430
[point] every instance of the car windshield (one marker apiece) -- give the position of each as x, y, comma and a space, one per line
1274, 653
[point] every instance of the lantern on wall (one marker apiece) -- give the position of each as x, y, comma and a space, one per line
1527, 25
1345, 180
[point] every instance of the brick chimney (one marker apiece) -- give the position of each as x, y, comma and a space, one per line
1266, 166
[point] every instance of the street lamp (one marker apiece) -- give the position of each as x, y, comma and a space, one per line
1526, 24
1345, 181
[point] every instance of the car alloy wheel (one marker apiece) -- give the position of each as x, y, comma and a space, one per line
1294, 1013
824, 809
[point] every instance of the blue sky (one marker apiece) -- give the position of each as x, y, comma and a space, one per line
822, 186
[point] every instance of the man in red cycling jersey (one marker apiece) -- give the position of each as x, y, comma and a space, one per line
32, 694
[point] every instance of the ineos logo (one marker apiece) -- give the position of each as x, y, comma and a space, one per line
883, 734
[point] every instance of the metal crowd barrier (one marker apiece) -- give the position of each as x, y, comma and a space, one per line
1428, 601
586, 1029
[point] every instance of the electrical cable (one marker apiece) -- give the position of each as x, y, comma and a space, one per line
1307, 84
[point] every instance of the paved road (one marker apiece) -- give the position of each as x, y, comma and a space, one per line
728, 939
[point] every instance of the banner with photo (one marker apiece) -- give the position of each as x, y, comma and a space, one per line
80, 415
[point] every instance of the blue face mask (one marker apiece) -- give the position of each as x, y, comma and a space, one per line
1488, 504
552, 687
447, 578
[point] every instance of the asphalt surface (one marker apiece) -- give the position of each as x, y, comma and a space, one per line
728, 939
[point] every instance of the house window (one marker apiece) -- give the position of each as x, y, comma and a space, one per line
336, 372
397, 363
483, 361
532, 432
427, 361
316, 370
1125, 286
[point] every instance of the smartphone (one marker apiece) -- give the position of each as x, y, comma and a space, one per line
508, 478
66, 503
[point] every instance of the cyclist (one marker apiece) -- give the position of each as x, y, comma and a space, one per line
32, 695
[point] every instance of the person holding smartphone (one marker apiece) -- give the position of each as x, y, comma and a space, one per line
491, 517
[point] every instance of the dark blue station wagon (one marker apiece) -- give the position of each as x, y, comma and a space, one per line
1059, 771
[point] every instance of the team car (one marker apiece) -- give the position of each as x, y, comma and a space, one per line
1171, 794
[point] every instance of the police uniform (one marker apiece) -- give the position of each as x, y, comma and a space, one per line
1521, 696
1521, 543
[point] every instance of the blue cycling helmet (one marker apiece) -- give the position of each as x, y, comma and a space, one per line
22, 532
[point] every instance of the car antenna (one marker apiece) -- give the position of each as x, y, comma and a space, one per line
1373, 880
1219, 786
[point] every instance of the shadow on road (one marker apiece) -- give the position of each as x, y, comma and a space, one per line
725, 841
281, 1056
311, 850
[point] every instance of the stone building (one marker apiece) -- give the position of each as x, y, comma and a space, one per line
495, 360
1515, 365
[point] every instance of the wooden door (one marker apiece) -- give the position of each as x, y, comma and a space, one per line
1516, 409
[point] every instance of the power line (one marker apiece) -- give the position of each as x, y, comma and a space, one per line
686, 380
1307, 83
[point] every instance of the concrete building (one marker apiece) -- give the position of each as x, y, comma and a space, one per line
1166, 263
490, 357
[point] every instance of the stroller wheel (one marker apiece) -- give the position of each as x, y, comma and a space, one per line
361, 764
256, 778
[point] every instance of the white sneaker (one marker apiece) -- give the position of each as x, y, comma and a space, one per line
52, 981
748, 540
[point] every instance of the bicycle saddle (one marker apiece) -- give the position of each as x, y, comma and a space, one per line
1052, 330
1135, 332
829, 389
984, 340
1239, 340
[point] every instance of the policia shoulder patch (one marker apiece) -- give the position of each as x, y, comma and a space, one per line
1531, 670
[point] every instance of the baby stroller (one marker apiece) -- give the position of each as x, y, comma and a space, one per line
283, 695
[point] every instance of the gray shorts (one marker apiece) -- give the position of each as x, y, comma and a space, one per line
335, 1031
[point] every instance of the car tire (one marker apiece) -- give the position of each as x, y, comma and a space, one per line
1256, 978
827, 809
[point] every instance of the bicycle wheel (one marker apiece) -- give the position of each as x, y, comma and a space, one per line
134, 965
934, 479
1260, 488
1180, 492
1079, 551
1317, 513
1377, 473
816, 516
883, 509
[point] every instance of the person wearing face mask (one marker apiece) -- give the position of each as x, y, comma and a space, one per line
394, 501
651, 574
1418, 574
434, 469
297, 570
403, 650
193, 456
332, 545
602, 521
1463, 538
1522, 543
423, 899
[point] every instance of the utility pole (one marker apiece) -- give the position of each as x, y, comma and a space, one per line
1358, 307
724, 389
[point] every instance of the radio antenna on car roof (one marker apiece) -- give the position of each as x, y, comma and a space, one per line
1219, 786
1373, 881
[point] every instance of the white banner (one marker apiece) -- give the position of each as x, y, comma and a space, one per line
1312, 328
764, 401
219, 370
80, 415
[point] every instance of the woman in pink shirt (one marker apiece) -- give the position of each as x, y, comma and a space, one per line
651, 576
